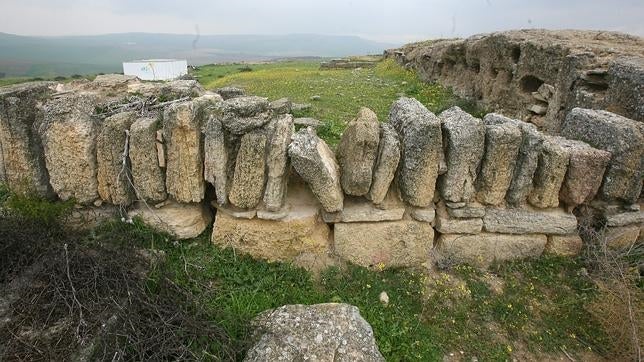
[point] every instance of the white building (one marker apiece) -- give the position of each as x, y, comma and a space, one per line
156, 69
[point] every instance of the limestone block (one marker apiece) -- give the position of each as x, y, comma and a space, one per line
464, 138
585, 172
564, 245
216, 159
22, 161
449, 225
357, 153
386, 163
314, 161
147, 174
485, 248
526, 164
387, 244
502, 142
243, 114
621, 237
183, 221
281, 106
247, 187
114, 185
550, 173
625, 218
184, 168
470, 210
525, 221
420, 134
277, 163
360, 210
623, 138
68, 134
424, 214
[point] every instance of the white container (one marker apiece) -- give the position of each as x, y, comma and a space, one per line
156, 69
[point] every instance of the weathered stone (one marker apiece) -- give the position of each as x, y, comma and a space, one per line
241, 115
307, 122
386, 163
424, 214
277, 163
89, 217
184, 170
621, 237
448, 225
455, 205
485, 248
519, 221
247, 187
216, 159
147, 175
357, 153
421, 138
183, 221
585, 172
625, 218
360, 210
235, 212
526, 164
546, 91
538, 109
386, 244
230, 92
22, 163
623, 138
68, 134
112, 148
550, 173
315, 163
322, 332
564, 245
625, 93
502, 142
464, 141
470, 210
281, 106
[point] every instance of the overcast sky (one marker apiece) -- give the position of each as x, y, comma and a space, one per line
391, 20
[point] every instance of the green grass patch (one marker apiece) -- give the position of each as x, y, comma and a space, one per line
342, 91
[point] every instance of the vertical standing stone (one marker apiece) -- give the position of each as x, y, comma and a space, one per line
502, 141
420, 133
277, 163
114, 178
147, 174
464, 141
69, 134
386, 163
550, 173
526, 164
314, 161
216, 159
22, 163
585, 172
248, 180
357, 153
184, 173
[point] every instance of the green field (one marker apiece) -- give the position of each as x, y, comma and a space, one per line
341, 92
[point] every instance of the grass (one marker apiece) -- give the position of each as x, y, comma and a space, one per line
342, 92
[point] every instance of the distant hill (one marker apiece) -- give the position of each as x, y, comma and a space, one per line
67, 55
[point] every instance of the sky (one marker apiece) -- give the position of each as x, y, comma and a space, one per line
393, 21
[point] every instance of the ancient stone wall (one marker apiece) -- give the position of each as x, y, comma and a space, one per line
537, 75
411, 190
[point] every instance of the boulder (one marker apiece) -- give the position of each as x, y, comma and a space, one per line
68, 133
449, 225
521, 221
464, 142
277, 162
360, 210
182, 221
502, 142
485, 248
550, 173
241, 115
22, 163
386, 163
623, 138
182, 136
112, 148
564, 245
420, 134
216, 159
314, 161
322, 332
526, 164
147, 174
247, 186
357, 153
386, 244
585, 173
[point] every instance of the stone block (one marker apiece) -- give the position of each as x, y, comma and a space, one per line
247, 187
114, 176
216, 159
386, 163
485, 248
621, 237
277, 163
361, 210
147, 174
183, 221
525, 221
445, 224
585, 172
564, 245
470, 210
550, 173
